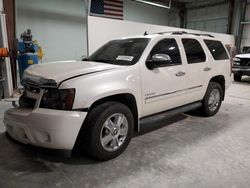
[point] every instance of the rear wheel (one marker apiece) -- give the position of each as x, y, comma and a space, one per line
108, 130
212, 99
237, 77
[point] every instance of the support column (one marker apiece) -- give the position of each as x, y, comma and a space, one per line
238, 16
9, 11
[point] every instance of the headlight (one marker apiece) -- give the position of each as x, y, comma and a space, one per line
236, 59
62, 99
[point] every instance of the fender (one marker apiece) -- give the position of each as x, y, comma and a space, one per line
93, 87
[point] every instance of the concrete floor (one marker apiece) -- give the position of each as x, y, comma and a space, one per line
190, 151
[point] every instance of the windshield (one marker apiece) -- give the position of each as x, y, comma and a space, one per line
120, 52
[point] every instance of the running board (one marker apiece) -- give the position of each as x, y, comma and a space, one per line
159, 117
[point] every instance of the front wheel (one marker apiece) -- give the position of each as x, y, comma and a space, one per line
109, 128
212, 99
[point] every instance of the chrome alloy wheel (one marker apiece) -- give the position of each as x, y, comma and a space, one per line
214, 100
114, 132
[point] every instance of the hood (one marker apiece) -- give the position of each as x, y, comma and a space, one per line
243, 55
64, 70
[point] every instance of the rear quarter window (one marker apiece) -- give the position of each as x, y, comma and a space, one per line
216, 49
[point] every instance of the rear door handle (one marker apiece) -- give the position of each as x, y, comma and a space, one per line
180, 73
207, 69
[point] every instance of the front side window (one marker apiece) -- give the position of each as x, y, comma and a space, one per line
216, 49
194, 51
168, 47
120, 52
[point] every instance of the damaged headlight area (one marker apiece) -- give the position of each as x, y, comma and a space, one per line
60, 99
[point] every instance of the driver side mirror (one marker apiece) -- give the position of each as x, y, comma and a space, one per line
84, 57
158, 60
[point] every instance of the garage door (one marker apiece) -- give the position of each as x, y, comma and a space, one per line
245, 42
208, 18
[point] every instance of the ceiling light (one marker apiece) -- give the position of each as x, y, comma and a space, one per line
157, 3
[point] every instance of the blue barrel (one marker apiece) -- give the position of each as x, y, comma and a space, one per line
25, 60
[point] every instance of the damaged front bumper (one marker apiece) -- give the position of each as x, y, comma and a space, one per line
54, 129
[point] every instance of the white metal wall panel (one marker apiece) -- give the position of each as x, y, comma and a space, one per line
101, 30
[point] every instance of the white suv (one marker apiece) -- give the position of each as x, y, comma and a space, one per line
100, 102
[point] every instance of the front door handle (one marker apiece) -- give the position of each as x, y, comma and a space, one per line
180, 73
207, 69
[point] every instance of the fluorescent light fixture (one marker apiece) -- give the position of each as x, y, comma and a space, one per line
158, 4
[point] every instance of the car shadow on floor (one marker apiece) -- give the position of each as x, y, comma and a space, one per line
30, 153
43, 153
244, 81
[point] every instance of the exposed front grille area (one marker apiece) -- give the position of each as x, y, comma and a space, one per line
244, 62
26, 102
30, 96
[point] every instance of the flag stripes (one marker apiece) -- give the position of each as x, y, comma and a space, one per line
107, 8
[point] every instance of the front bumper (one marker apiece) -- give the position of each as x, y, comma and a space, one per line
54, 129
242, 71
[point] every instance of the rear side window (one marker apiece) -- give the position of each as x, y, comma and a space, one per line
194, 51
217, 49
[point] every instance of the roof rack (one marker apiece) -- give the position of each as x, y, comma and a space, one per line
184, 32
197, 34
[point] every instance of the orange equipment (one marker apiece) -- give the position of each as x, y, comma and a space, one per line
4, 52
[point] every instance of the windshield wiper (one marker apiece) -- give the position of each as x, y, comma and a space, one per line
103, 61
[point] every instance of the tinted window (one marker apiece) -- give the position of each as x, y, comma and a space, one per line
120, 52
217, 49
194, 51
169, 47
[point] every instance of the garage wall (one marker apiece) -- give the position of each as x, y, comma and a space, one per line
1, 5
139, 12
208, 17
60, 25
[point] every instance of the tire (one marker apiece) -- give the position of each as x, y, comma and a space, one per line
95, 131
237, 77
210, 107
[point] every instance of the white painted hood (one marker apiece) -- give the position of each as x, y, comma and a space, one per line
63, 70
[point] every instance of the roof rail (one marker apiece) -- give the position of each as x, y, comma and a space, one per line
184, 32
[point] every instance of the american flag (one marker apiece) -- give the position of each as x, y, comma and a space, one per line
107, 8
